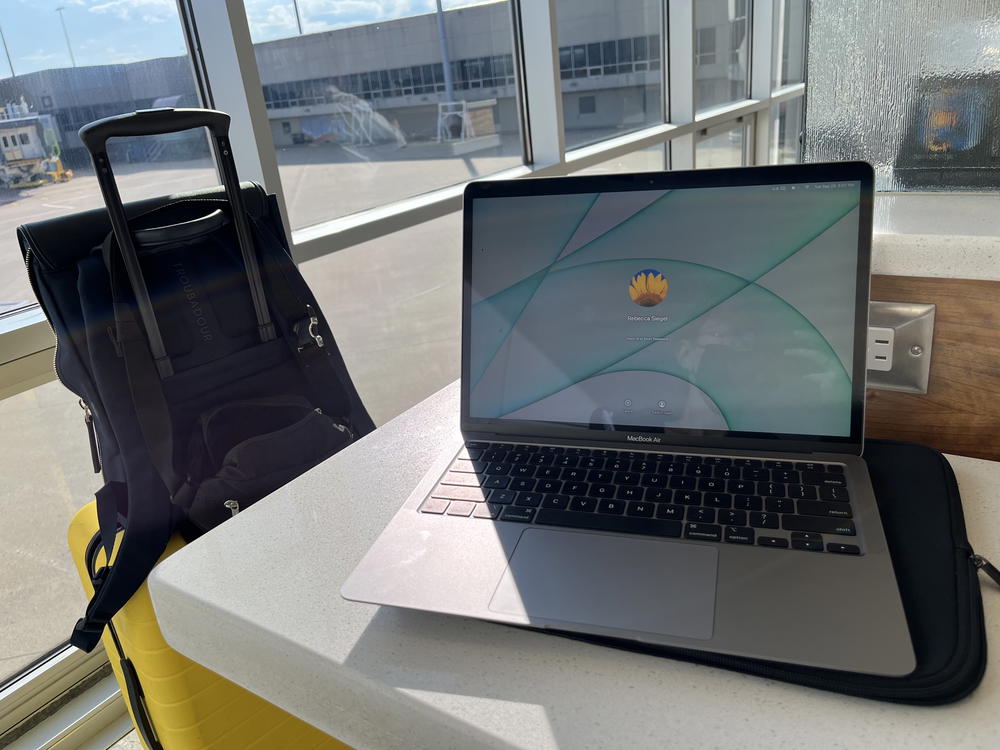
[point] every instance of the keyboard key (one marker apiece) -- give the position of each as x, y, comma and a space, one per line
834, 469
819, 508
487, 510
631, 455
843, 549
476, 444
682, 459
772, 541
712, 485
592, 462
642, 466
682, 483
467, 466
728, 472
718, 500
671, 468
670, 511
437, 505
818, 524
780, 505
778, 464
465, 480
518, 458
547, 472
583, 504
605, 453
807, 544
748, 502
708, 532
575, 488
739, 535
659, 495
824, 480
739, 487
455, 492
461, 508
771, 489
687, 498
602, 522
522, 471
838, 494
701, 515
764, 520
614, 507
494, 454
599, 476
717, 461
528, 499
551, 449
559, 502
753, 463
497, 467
810, 466
574, 475
807, 535
548, 485
626, 477
522, 448
567, 461
601, 490
618, 464
802, 492
654, 480
496, 483
733, 517
756, 475
503, 497
578, 451
700, 470
630, 493
522, 485
541, 459
643, 510
522, 515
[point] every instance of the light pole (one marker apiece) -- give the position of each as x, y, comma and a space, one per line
449, 86
7, 52
298, 16
66, 34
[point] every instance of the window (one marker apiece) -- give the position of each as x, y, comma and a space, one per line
286, 127
385, 122
723, 20
705, 49
786, 144
611, 54
49, 478
789, 41
726, 149
5, 141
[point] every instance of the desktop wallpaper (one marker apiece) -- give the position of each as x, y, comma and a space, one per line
702, 308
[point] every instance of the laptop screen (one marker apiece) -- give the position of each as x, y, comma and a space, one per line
714, 309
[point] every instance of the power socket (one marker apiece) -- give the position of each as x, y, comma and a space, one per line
880, 342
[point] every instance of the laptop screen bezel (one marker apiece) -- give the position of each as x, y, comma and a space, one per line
652, 438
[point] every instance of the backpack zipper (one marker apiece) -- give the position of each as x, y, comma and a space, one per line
88, 419
981, 563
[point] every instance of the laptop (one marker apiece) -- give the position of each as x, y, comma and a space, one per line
662, 404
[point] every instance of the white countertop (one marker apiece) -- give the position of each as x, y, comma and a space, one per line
257, 601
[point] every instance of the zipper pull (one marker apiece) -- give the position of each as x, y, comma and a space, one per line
88, 419
310, 336
233, 505
986, 566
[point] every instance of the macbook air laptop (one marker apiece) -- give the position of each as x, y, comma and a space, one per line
663, 381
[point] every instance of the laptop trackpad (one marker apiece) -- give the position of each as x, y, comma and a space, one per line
640, 585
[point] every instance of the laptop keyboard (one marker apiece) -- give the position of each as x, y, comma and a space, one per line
782, 504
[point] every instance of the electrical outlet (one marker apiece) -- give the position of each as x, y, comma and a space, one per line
900, 335
880, 341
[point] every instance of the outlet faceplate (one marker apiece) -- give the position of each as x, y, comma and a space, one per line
902, 333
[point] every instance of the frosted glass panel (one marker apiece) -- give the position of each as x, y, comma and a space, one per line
785, 137
912, 86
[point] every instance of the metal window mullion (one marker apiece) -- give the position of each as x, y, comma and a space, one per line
542, 85
219, 43
681, 79
761, 67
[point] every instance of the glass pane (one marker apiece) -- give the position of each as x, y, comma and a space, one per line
789, 41
722, 150
926, 116
44, 169
722, 51
785, 140
418, 272
615, 87
46, 466
364, 110
650, 159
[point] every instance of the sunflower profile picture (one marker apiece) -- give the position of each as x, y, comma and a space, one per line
648, 288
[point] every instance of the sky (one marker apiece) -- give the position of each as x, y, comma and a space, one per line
116, 31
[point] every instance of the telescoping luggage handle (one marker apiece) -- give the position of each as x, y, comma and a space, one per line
155, 122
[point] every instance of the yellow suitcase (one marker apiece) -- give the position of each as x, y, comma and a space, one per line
176, 704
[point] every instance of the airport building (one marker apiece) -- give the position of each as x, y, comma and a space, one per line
385, 81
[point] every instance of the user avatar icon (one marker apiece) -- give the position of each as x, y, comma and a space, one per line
648, 288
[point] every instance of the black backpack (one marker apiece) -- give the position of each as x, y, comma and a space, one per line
208, 374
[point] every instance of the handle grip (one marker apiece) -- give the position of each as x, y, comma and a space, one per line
152, 122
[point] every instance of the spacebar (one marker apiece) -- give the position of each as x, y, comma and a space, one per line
602, 522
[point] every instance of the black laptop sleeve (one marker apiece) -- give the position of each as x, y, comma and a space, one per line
938, 580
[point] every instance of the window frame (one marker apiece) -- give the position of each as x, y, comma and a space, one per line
227, 78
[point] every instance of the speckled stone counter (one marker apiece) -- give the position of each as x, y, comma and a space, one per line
257, 601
